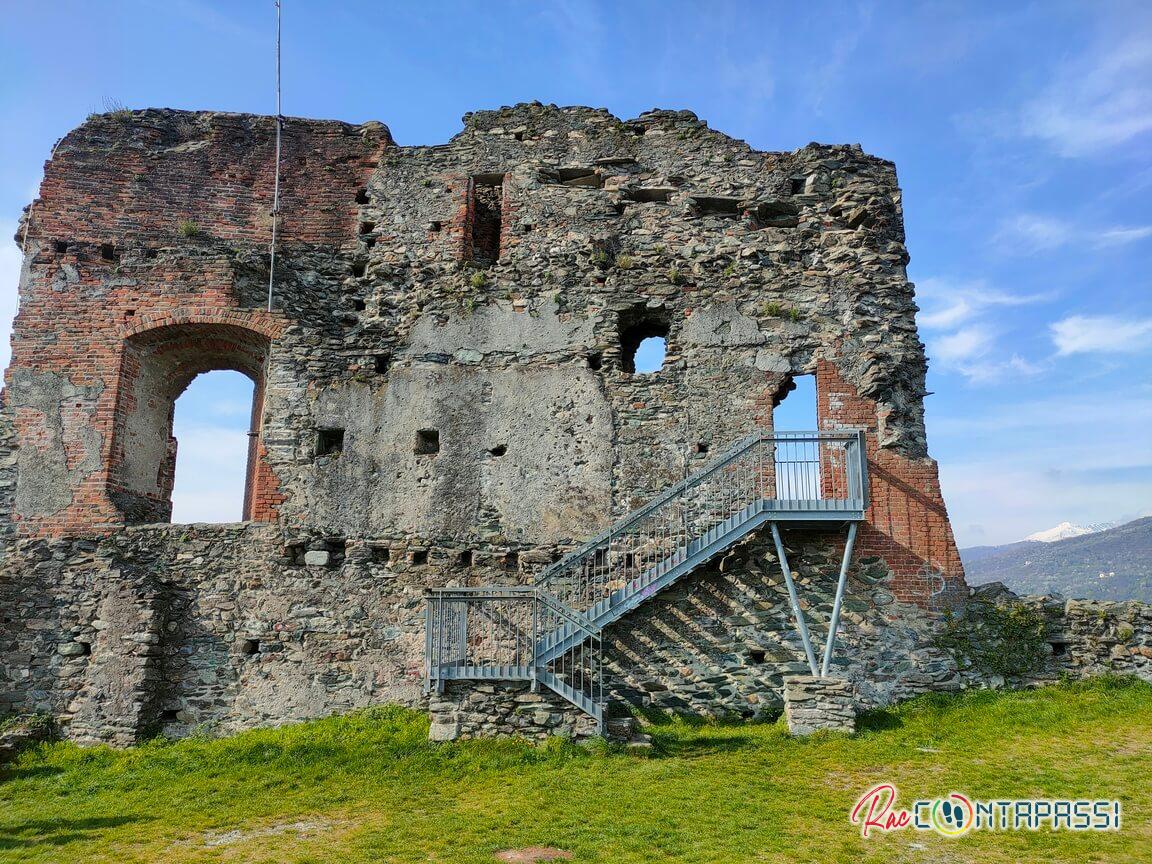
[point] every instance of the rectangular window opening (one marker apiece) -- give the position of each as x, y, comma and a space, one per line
487, 191
294, 553
329, 442
427, 442
717, 206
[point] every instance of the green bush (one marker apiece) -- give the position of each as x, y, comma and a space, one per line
996, 640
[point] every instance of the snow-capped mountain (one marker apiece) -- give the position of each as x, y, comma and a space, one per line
1067, 529
1111, 564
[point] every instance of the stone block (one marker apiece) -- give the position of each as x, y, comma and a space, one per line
814, 704
317, 558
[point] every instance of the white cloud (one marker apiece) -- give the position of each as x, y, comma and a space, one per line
1113, 334
1120, 236
1029, 233
967, 343
1101, 99
950, 302
991, 371
954, 313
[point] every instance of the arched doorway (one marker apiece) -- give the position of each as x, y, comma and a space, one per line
214, 419
157, 367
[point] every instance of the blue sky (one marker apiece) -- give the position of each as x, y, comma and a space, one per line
1022, 134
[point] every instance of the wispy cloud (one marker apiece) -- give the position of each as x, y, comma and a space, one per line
965, 344
961, 337
1110, 334
1029, 233
947, 303
1122, 236
1098, 100
1036, 463
828, 76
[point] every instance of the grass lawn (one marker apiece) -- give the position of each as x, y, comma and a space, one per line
369, 787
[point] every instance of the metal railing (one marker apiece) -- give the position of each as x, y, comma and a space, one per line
792, 475
500, 634
549, 632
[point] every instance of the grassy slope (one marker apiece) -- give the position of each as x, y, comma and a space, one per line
368, 787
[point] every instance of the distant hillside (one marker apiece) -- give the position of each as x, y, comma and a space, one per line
1107, 565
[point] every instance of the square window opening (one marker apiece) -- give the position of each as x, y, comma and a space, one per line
329, 442
427, 442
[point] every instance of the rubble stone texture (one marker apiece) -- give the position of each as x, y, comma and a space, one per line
444, 395
813, 704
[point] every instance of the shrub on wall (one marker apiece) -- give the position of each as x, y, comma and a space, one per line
1005, 640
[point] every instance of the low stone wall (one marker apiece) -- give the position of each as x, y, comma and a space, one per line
1015, 641
171, 629
506, 709
812, 704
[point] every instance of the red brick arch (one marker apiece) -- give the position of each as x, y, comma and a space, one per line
162, 352
269, 324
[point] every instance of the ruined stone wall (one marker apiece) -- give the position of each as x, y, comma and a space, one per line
444, 375
176, 629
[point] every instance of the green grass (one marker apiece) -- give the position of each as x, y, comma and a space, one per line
369, 787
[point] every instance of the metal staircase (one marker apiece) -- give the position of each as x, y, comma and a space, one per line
549, 633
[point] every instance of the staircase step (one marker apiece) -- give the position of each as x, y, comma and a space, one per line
659, 576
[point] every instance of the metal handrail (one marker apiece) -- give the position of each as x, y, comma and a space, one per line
695, 479
556, 641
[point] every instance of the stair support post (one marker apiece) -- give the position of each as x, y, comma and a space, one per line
834, 624
535, 685
801, 624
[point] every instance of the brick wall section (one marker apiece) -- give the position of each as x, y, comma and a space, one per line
130, 184
116, 179
907, 521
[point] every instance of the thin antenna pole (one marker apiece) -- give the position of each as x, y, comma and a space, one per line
276, 180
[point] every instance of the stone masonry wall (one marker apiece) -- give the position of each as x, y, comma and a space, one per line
469, 710
176, 628
444, 395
